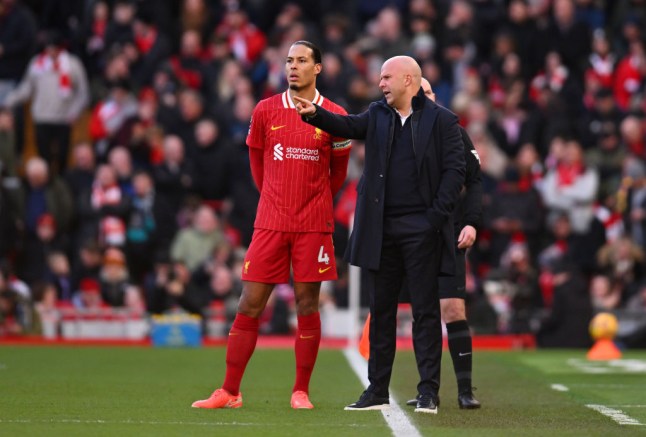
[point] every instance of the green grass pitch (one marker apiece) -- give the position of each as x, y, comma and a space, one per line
111, 391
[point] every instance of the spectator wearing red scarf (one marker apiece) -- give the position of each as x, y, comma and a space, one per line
103, 209
633, 136
630, 73
109, 114
188, 66
56, 83
246, 41
152, 46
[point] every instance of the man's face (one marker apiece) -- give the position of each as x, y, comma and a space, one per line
392, 83
190, 44
106, 176
300, 68
142, 185
190, 106
173, 149
52, 50
37, 180
84, 157
206, 132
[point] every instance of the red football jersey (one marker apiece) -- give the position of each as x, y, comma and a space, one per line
296, 194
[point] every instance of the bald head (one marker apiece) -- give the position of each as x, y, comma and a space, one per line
400, 80
428, 90
406, 65
37, 171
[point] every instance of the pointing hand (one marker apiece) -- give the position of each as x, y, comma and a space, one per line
304, 107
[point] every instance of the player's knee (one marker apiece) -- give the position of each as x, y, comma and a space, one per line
452, 311
249, 311
307, 306
250, 308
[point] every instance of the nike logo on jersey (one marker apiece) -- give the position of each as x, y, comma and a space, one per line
324, 270
278, 127
464, 353
306, 337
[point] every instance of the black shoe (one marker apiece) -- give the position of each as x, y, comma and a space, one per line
369, 401
426, 404
413, 402
466, 401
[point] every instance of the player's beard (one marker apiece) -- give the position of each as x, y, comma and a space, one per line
298, 87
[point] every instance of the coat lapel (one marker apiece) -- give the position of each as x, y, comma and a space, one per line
384, 127
424, 129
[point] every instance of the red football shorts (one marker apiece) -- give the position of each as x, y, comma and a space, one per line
270, 254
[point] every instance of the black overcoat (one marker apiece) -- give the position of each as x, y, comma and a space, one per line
440, 161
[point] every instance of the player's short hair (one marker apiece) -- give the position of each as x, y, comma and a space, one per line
316, 52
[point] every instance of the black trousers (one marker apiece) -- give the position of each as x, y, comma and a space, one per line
410, 250
53, 142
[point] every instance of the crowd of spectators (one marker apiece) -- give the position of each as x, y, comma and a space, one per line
152, 206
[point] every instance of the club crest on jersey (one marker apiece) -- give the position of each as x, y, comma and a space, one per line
318, 134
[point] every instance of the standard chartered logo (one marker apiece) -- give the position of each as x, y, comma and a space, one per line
299, 153
302, 154
278, 152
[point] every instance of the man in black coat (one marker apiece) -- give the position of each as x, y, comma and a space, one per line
413, 174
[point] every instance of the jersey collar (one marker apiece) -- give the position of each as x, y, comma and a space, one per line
289, 103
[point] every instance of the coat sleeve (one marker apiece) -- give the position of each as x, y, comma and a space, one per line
24, 90
82, 91
453, 169
472, 215
346, 126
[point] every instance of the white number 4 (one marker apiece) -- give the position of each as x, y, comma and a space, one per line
323, 257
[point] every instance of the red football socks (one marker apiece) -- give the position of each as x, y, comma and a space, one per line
306, 348
240, 347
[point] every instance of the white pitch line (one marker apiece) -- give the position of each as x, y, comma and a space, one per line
397, 420
559, 387
586, 385
617, 415
153, 422
626, 406
123, 422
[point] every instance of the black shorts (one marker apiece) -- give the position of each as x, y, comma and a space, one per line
448, 286
455, 286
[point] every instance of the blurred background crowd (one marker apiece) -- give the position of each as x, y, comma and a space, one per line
125, 179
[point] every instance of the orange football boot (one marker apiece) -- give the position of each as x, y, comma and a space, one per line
300, 400
220, 399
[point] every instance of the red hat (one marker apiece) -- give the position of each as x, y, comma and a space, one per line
89, 285
46, 220
518, 237
147, 94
